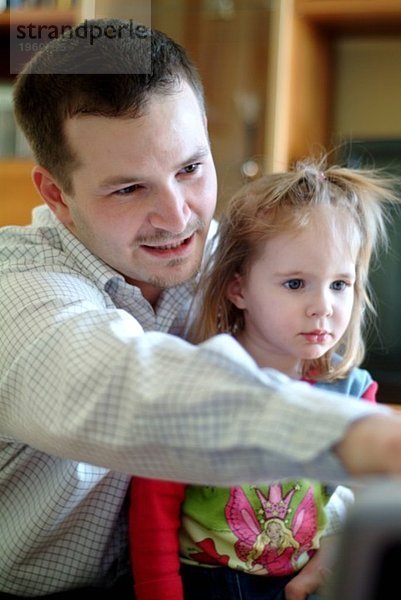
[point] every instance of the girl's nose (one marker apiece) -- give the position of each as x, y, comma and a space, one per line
320, 306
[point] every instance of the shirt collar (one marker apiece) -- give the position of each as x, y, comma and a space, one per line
76, 252
104, 277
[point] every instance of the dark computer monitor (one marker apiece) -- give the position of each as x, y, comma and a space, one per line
368, 555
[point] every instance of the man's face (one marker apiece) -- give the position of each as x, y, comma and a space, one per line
145, 191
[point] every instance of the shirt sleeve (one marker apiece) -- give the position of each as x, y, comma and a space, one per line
336, 509
154, 522
83, 381
370, 392
343, 498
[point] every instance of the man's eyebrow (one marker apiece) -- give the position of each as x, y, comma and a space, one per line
200, 152
125, 179
117, 180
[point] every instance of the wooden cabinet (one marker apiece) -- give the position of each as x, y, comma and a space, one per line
18, 196
301, 82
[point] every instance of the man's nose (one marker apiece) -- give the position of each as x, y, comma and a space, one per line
170, 210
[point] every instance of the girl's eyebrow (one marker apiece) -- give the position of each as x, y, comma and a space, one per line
289, 274
344, 275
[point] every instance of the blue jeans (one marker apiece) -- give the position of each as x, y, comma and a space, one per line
223, 583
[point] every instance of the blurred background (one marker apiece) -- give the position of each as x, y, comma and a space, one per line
283, 79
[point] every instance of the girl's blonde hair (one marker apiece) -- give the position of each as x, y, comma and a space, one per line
285, 201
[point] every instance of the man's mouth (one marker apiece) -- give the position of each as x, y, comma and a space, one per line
173, 248
170, 246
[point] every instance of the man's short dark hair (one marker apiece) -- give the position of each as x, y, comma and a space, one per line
113, 75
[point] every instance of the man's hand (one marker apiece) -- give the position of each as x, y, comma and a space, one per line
372, 446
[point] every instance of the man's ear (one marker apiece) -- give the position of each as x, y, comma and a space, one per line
52, 194
235, 291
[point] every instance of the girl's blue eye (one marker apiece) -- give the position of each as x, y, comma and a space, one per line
338, 286
294, 284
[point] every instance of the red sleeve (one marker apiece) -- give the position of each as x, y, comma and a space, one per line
370, 393
154, 521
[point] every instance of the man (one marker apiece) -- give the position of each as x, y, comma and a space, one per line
93, 386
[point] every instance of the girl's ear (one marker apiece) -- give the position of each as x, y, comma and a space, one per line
235, 291
52, 194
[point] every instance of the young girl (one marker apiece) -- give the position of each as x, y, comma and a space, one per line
289, 280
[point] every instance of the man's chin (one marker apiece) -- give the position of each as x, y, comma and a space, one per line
171, 276
171, 280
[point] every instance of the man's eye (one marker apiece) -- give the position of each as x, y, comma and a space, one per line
130, 189
294, 284
189, 169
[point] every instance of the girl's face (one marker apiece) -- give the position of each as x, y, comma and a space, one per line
298, 295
